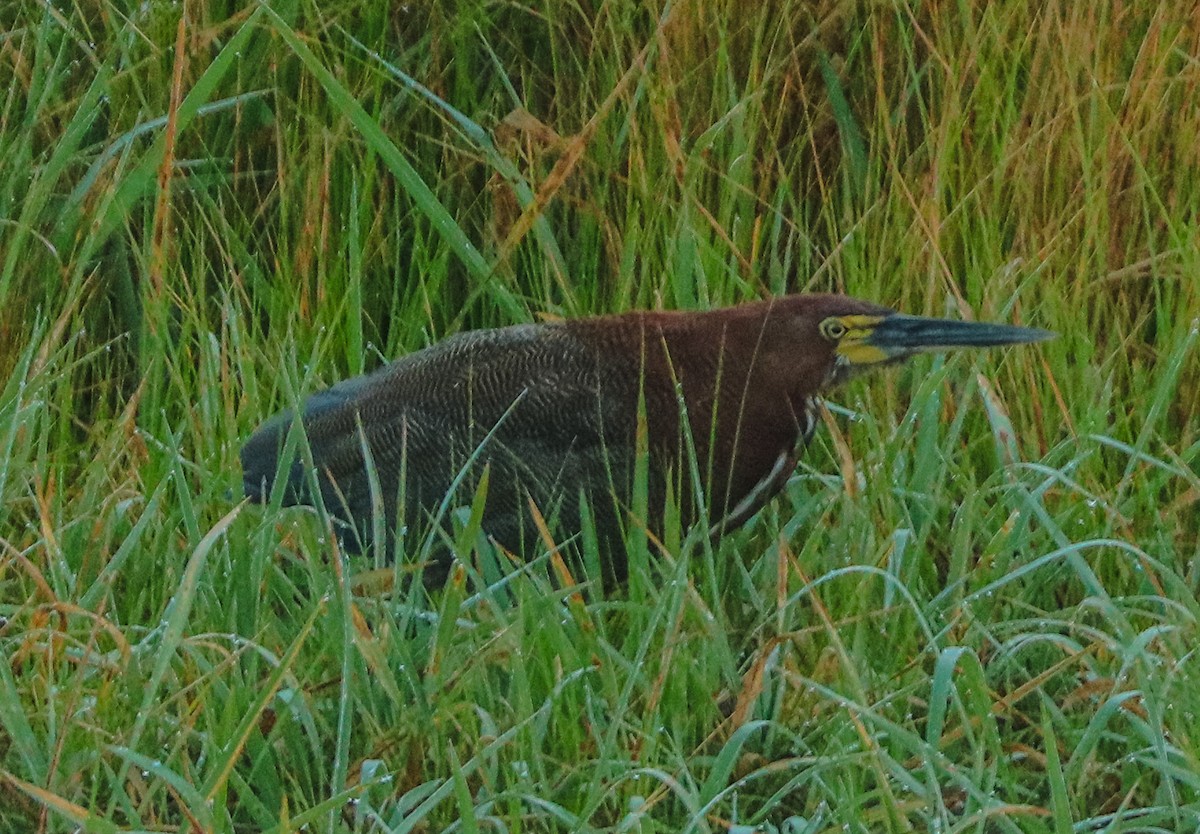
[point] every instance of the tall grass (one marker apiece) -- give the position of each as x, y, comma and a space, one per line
974, 608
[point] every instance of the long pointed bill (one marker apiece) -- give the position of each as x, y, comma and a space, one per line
899, 335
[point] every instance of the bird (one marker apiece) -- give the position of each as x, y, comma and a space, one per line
550, 417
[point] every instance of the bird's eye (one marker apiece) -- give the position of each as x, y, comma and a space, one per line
833, 329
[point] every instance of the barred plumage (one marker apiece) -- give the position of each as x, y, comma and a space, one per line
552, 410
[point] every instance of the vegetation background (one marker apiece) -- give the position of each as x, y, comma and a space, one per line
975, 607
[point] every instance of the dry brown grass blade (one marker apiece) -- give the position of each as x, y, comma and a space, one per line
846, 467
521, 123
47, 799
34, 572
572, 153
558, 563
752, 685
162, 205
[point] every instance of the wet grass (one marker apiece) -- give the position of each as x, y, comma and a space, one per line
973, 609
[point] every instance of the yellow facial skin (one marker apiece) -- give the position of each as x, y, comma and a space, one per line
851, 334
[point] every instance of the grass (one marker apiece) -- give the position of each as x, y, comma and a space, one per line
975, 606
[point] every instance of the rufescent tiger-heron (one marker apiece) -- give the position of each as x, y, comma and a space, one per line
552, 411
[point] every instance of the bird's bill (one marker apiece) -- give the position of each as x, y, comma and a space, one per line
894, 337
916, 333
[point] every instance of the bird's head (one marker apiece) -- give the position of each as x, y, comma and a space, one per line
846, 336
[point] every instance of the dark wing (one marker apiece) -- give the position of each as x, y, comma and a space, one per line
523, 400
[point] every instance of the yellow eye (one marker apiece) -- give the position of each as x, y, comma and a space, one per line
833, 329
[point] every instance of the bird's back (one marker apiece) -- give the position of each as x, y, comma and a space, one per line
525, 401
